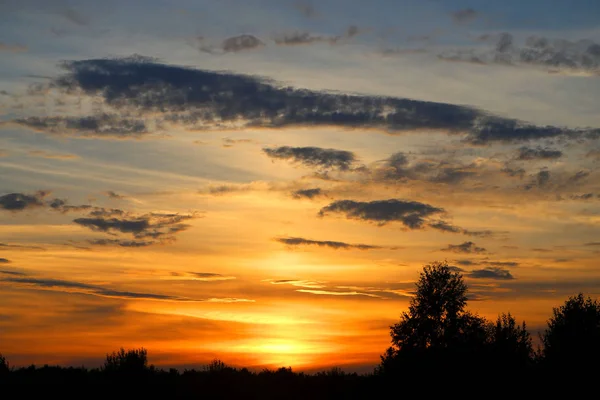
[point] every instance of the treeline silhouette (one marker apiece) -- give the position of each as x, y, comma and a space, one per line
438, 347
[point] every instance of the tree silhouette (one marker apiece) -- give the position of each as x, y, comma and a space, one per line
510, 343
573, 334
4, 367
436, 328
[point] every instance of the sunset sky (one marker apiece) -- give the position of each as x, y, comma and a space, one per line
261, 181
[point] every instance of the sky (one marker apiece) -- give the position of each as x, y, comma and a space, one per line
262, 181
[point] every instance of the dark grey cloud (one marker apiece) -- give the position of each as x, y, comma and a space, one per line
153, 225
85, 288
22, 201
553, 55
240, 43
584, 196
297, 241
464, 16
592, 244
121, 242
199, 99
115, 195
514, 171
447, 227
540, 179
411, 214
539, 153
308, 193
465, 262
103, 125
398, 167
303, 38
4, 260
491, 273
466, 247
63, 206
315, 157
502, 263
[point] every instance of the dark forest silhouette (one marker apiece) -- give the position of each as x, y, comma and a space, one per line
436, 341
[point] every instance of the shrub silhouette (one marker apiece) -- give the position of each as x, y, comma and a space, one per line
572, 338
130, 362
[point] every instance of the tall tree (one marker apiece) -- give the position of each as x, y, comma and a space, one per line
436, 327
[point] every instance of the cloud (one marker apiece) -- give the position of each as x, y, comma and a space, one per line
502, 263
114, 195
241, 43
12, 273
301, 38
152, 225
297, 283
84, 288
338, 293
411, 214
14, 48
62, 206
121, 242
304, 38
464, 16
466, 248
552, 55
592, 244
491, 273
446, 227
399, 167
308, 193
314, 157
296, 241
539, 153
202, 276
4, 260
102, 125
53, 156
227, 142
200, 99
14, 247
584, 196
540, 179
21, 201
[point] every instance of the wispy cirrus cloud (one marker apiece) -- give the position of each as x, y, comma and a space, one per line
298, 241
102, 291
